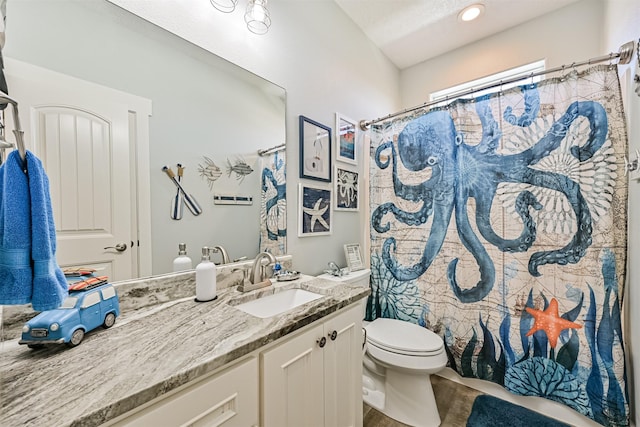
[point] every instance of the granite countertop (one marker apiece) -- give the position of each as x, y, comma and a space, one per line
147, 353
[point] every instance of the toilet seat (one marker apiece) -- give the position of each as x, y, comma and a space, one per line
404, 338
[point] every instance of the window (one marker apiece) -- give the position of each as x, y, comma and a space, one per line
108, 292
91, 299
453, 92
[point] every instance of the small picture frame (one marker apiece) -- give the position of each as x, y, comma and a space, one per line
346, 189
354, 257
346, 139
315, 150
314, 211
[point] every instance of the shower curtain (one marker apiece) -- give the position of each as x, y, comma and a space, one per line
500, 223
273, 204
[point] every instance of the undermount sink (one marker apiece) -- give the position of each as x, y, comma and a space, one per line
271, 305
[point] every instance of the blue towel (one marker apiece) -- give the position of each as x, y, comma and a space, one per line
29, 272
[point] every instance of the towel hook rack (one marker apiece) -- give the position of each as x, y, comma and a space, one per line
17, 129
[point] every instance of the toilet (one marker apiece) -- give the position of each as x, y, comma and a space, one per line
398, 360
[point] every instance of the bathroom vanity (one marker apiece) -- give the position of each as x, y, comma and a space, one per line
189, 363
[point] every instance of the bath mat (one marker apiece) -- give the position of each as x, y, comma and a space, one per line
489, 411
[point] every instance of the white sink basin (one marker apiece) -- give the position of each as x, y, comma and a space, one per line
277, 303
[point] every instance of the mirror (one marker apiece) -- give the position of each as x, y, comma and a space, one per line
207, 114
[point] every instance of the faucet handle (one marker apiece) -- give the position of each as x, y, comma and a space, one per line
245, 271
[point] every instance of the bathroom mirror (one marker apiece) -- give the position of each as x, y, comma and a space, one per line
207, 114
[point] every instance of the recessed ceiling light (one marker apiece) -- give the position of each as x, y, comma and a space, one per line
470, 13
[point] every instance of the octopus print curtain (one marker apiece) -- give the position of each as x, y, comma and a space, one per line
273, 204
500, 223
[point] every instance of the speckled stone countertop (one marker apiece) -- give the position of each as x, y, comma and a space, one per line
148, 352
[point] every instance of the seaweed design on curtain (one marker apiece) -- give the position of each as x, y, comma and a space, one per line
500, 223
273, 204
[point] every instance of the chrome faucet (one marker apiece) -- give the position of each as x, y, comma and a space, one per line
334, 270
258, 270
223, 253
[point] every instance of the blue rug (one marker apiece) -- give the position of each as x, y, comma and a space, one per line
489, 411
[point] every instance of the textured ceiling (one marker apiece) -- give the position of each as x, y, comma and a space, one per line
411, 31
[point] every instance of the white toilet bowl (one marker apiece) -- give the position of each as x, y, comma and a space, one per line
399, 360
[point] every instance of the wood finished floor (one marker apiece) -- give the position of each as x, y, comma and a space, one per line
454, 405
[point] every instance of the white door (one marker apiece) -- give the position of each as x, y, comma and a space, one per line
293, 382
343, 369
86, 136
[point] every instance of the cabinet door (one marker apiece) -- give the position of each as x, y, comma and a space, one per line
292, 382
343, 369
228, 399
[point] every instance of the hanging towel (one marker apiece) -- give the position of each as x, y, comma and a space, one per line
29, 272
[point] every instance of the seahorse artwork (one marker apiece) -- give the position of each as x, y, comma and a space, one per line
500, 223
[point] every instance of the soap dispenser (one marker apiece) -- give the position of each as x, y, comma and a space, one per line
182, 261
206, 278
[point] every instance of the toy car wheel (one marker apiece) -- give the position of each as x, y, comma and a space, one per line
35, 346
76, 338
109, 320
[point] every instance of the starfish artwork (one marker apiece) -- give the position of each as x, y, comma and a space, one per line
316, 214
550, 322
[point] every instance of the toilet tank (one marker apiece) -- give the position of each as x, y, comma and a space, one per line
360, 277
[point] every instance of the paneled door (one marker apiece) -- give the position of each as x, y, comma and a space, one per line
86, 136
293, 382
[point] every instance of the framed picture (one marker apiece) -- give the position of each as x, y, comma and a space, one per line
346, 189
315, 150
354, 257
314, 216
346, 139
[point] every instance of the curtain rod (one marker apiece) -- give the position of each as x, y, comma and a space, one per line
624, 56
271, 150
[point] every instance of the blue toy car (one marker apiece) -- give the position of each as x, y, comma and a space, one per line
82, 311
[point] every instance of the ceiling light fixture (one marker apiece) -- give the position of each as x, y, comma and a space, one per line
470, 13
257, 17
226, 6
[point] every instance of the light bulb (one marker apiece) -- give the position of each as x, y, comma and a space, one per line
470, 13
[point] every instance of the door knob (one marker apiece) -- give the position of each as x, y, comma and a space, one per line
120, 247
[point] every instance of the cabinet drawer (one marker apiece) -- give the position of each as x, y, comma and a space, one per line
229, 398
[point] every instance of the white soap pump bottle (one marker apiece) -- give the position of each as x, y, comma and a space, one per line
206, 278
182, 261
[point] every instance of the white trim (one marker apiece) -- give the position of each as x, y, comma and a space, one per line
523, 70
142, 108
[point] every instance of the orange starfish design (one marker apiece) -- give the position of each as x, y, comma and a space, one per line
550, 322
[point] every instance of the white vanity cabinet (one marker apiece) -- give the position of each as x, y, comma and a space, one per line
312, 377
228, 398
315, 377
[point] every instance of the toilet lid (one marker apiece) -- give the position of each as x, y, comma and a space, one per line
403, 337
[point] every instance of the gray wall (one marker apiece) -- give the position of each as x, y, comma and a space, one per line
312, 50
325, 63
549, 37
